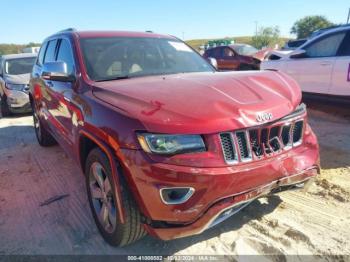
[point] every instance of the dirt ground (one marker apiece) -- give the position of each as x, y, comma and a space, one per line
317, 222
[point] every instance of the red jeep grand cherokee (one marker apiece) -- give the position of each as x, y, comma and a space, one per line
168, 145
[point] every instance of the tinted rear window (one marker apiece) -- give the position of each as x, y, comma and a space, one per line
65, 55
345, 46
41, 54
51, 52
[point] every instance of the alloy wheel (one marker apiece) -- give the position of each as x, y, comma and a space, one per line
102, 197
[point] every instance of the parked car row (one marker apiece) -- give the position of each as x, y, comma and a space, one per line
321, 65
168, 145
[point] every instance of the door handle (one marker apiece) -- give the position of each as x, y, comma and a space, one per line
326, 63
67, 99
49, 83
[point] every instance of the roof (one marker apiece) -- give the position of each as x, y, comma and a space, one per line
22, 55
238, 44
230, 45
88, 34
331, 30
92, 34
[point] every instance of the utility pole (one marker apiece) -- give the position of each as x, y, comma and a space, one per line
347, 21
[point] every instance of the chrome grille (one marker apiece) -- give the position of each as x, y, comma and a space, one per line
259, 142
286, 131
228, 147
243, 148
255, 142
297, 131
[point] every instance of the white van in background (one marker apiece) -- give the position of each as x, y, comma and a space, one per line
32, 50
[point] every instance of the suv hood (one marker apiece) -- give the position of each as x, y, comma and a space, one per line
17, 79
202, 103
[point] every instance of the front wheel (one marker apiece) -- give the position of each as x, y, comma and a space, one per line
102, 199
43, 136
5, 110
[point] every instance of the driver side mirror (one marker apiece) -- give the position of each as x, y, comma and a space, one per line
56, 71
299, 53
213, 62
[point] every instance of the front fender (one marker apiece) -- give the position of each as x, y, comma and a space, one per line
116, 181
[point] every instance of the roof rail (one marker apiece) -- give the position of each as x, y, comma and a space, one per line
67, 30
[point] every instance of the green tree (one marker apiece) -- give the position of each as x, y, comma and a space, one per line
14, 48
32, 44
305, 26
267, 37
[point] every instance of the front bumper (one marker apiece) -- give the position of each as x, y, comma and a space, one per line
18, 101
229, 206
217, 189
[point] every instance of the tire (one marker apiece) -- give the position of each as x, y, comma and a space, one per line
5, 110
43, 136
98, 168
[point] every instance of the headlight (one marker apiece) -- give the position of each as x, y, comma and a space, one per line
15, 87
171, 144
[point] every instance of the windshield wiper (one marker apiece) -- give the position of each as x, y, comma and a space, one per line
113, 78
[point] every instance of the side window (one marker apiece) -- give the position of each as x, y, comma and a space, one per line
209, 53
345, 46
325, 47
41, 54
50, 51
218, 52
227, 52
65, 55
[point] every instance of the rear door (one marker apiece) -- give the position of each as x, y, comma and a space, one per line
62, 94
341, 72
216, 53
228, 59
314, 72
48, 103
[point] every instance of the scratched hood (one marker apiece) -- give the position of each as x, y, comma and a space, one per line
202, 102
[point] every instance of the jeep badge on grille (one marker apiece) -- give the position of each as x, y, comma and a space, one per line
261, 117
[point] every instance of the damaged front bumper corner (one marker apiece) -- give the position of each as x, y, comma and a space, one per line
227, 207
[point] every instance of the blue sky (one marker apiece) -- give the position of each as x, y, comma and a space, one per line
33, 20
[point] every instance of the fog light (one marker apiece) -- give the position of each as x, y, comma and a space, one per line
176, 195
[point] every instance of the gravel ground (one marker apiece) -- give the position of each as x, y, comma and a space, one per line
316, 222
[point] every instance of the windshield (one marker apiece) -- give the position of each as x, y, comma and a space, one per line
121, 57
19, 66
245, 49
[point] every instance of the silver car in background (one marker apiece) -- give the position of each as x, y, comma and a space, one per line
14, 82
